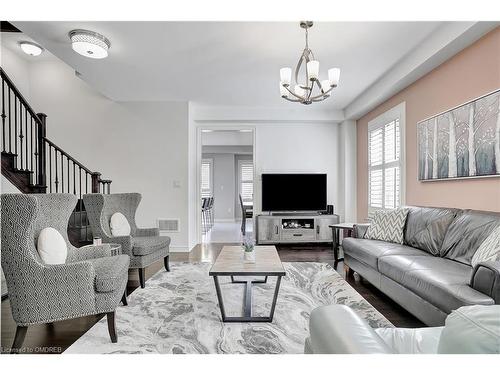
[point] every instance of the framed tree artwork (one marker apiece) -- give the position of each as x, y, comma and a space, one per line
463, 142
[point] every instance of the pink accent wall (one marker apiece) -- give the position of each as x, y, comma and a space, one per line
469, 74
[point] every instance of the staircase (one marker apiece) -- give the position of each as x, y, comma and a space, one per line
34, 164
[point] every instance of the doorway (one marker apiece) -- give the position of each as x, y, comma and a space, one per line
226, 184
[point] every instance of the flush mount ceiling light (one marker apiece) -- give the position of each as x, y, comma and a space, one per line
304, 92
30, 48
89, 44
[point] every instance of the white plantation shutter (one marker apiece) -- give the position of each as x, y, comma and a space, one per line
384, 164
206, 178
246, 180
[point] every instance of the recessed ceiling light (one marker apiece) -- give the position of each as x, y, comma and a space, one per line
30, 48
206, 130
89, 44
245, 130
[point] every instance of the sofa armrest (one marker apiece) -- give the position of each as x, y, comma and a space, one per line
359, 230
337, 329
486, 279
147, 232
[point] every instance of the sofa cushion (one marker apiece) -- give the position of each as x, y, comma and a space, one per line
426, 227
471, 330
466, 233
489, 250
149, 245
388, 225
441, 281
411, 340
110, 272
369, 251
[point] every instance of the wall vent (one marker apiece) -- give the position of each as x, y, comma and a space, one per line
169, 225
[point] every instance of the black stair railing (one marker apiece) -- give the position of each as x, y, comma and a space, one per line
24, 137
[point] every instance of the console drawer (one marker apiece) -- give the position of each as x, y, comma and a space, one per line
298, 235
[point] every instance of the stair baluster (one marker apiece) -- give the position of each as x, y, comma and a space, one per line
3, 115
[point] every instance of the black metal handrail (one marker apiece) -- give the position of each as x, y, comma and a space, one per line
24, 138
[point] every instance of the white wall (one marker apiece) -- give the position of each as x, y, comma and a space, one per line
17, 69
348, 170
300, 148
141, 146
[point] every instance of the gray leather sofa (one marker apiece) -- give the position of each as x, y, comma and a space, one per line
430, 274
337, 329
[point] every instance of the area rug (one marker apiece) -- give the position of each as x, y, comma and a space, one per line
178, 312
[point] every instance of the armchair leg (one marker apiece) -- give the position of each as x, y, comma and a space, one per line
111, 326
165, 262
141, 277
124, 298
19, 339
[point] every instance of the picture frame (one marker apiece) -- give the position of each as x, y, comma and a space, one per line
446, 140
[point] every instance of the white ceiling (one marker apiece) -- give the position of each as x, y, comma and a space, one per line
230, 63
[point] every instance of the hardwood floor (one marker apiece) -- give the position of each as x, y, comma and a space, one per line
56, 337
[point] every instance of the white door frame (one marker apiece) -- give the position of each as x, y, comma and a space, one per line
199, 131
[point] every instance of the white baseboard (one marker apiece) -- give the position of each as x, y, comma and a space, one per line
179, 249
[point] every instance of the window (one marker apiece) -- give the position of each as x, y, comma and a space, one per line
206, 178
245, 173
386, 160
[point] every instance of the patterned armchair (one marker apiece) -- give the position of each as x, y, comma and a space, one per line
144, 246
90, 282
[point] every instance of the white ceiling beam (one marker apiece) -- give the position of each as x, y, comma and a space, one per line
239, 114
446, 41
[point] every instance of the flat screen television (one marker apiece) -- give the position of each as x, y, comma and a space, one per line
293, 192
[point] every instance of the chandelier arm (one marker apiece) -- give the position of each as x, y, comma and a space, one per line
294, 94
320, 99
291, 100
312, 87
325, 95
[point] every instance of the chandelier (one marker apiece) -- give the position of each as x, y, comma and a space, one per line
305, 92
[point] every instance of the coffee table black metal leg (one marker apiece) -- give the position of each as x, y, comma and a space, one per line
219, 297
275, 298
247, 313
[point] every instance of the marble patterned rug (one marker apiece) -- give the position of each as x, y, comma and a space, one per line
177, 312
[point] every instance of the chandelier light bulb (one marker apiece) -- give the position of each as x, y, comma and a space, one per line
325, 85
286, 76
299, 91
333, 76
312, 70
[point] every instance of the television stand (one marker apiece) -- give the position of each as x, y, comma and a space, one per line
312, 213
294, 228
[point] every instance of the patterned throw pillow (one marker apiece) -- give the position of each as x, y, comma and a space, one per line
489, 250
388, 225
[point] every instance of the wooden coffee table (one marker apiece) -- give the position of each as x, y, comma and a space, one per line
230, 263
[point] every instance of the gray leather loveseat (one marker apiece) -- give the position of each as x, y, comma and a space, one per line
430, 274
